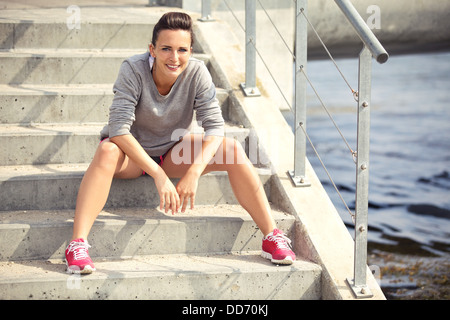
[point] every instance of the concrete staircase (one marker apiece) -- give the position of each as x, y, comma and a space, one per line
55, 91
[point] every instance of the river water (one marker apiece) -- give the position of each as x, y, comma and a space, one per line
409, 189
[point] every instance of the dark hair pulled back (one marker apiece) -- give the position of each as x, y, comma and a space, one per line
173, 21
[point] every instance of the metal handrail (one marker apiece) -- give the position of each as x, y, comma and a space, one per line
363, 31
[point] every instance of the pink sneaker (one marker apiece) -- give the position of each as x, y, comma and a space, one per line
276, 248
77, 257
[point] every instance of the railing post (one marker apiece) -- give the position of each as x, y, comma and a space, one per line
206, 11
358, 283
249, 87
298, 175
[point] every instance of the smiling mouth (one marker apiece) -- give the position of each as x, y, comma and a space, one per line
172, 67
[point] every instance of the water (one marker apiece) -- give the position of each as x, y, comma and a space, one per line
409, 198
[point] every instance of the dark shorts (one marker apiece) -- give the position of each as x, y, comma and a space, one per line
160, 159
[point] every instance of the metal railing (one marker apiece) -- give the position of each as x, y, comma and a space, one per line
371, 49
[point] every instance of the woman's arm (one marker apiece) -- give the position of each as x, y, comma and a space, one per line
168, 195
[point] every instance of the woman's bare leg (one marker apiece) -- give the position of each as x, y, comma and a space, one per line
244, 180
109, 161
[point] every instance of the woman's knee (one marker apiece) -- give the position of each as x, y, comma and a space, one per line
108, 155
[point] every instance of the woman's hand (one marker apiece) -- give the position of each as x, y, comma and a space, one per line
187, 188
168, 196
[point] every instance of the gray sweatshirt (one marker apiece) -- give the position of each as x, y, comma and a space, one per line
156, 121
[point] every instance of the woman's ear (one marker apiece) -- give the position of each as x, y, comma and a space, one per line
151, 49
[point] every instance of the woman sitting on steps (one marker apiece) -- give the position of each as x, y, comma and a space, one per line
155, 95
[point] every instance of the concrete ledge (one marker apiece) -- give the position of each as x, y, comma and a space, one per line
76, 104
115, 35
164, 277
27, 104
70, 143
69, 67
101, 27
51, 187
130, 232
50, 144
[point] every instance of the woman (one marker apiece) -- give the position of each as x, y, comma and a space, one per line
155, 96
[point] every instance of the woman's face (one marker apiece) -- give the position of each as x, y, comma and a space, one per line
171, 52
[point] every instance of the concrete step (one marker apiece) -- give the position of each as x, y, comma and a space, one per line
58, 35
46, 66
130, 232
63, 143
49, 66
53, 187
165, 277
76, 27
48, 144
82, 103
